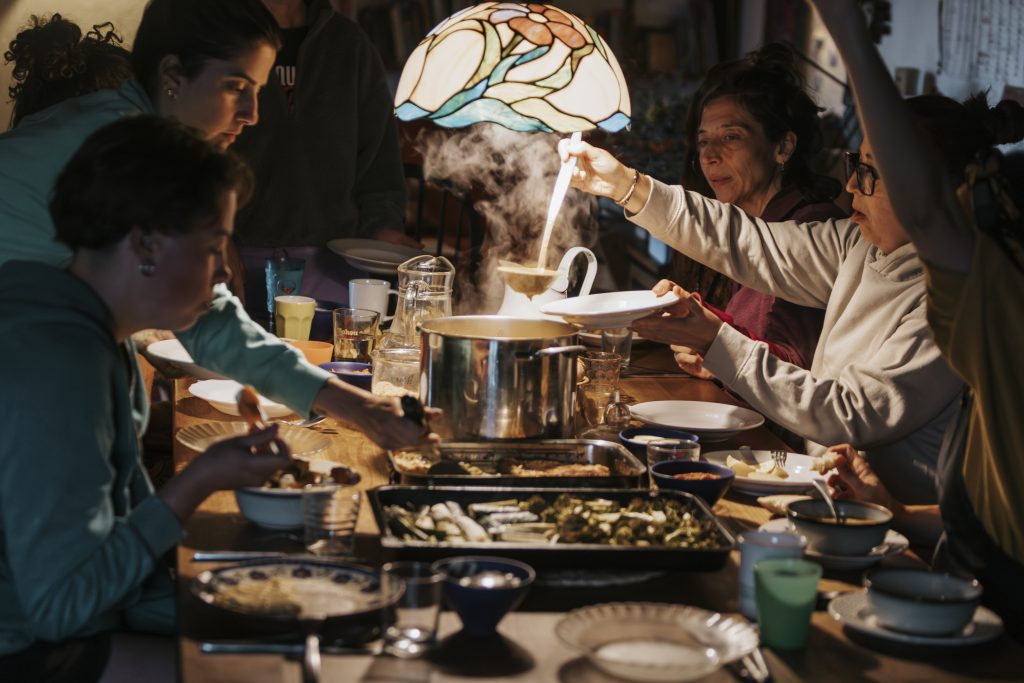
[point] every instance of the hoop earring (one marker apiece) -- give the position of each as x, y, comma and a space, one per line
782, 167
147, 269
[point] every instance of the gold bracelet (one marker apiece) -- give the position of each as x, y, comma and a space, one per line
632, 188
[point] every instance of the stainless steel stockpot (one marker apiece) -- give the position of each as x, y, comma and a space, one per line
497, 377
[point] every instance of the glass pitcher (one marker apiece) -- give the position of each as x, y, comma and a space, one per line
424, 292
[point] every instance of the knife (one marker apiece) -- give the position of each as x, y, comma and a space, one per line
285, 649
239, 555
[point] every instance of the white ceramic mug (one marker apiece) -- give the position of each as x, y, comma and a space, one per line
760, 545
371, 294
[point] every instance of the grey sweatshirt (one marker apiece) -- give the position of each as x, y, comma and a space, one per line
877, 379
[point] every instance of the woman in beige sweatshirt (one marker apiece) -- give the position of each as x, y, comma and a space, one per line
877, 380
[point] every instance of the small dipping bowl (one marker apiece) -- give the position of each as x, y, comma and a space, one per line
316, 352
710, 490
637, 438
921, 602
482, 590
864, 526
355, 373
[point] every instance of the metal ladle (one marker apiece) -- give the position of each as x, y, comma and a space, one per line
822, 488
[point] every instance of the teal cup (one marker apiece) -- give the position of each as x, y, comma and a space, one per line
785, 589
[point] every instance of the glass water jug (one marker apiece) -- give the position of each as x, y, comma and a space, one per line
424, 292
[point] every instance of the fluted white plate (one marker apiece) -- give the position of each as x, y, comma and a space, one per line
172, 352
301, 441
373, 256
621, 638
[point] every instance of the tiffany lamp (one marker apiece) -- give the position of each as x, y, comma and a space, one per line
526, 66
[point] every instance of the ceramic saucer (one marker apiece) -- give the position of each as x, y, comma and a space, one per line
853, 611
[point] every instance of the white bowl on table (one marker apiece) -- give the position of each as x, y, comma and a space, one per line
921, 602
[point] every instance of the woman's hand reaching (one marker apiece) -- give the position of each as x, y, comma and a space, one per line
233, 463
597, 171
687, 323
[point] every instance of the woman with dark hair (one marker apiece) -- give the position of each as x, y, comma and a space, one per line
147, 209
963, 207
753, 133
202, 63
53, 62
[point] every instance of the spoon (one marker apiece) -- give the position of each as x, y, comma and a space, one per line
822, 488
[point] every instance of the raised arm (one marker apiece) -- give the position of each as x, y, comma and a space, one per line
925, 203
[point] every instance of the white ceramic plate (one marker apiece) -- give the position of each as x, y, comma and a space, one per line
853, 611
894, 544
373, 256
171, 351
640, 631
222, 394
710, 421
798, 466
611, 309
301, 441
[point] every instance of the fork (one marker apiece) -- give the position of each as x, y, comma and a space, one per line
780, 458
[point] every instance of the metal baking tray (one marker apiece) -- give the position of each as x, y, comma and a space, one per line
626, 470
562, 555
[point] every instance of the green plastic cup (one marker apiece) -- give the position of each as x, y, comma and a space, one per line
785, 589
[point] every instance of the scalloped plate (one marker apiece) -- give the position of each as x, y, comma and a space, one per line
710, 421
302, 442
373, 256
621, 637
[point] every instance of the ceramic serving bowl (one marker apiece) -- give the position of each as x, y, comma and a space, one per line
921, 602
353, 372
863, 527
271, 508
316, 352
637, 438
482, 590
664, 475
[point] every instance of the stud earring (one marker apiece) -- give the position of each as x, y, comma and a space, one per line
172, 94
147, 269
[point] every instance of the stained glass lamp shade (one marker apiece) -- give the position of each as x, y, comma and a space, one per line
528, 67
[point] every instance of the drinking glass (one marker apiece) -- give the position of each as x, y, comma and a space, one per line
618, 340
355, 333
593, 398
785, 590
672, 449
396, 372
601, 367
410, 628
329, 516
293, 316
762, 545
284, 277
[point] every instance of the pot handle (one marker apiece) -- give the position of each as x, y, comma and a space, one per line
550, 351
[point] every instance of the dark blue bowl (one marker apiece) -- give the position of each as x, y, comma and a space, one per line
708, 489
639, 448
347, 371
481, 608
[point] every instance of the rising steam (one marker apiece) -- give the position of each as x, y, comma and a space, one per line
514, 174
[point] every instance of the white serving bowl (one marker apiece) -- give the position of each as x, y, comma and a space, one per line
271, 508
809, 516
921, 602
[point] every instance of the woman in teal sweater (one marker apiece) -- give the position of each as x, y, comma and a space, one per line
147, 210
201, 63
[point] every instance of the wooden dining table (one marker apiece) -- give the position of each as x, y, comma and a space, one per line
527, 649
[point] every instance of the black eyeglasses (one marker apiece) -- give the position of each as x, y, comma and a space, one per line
866, 175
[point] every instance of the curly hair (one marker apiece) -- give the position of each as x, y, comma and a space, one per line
54, 62
143, 171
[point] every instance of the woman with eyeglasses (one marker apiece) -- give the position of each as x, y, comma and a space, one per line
877, 379
963, 208
754, 132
